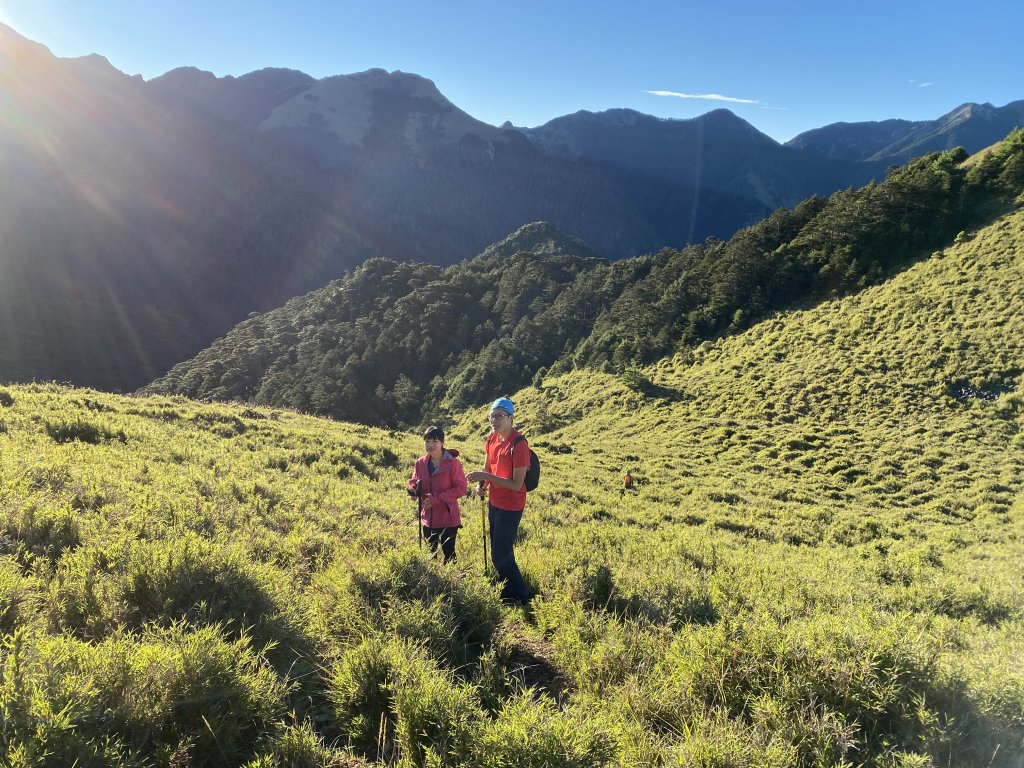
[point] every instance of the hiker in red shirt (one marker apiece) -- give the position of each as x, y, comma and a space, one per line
504, 473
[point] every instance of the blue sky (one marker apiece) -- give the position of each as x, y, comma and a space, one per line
785, 67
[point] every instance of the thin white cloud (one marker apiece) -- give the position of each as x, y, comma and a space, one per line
704, 96
924, 85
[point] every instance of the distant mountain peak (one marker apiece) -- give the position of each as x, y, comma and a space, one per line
186, 76
12, 44
96, 68
543, 239
571, 135
381, 78
93, 60
17, 50
721, 113
618, 116
351, 106
9, 35
969, 111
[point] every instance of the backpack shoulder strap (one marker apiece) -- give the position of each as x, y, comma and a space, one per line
517, 441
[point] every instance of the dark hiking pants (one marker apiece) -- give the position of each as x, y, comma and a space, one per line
504, 527
445, 537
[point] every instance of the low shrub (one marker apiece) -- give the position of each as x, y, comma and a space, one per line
43, 700
359, 688
452, 615
436, 716
18, 597
39, 530
300, 746
530, 733
138, 584
211, 698
67, 430
176, 696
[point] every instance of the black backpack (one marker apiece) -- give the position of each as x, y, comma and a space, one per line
533, 473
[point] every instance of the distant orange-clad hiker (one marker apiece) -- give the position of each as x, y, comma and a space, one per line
627, 482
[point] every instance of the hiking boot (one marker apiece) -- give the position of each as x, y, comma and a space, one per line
516, 600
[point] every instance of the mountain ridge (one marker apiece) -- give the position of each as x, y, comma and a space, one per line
143, 219
971, 125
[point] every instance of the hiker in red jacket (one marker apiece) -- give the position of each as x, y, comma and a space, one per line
439, 481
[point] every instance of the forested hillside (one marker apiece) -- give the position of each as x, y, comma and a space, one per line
820, 561
400, 343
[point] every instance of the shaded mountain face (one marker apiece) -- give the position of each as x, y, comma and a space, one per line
141, 220
717, 151
854, 141
971, 126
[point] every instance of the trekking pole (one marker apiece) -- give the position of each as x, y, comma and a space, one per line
419, 511
430, 525
483, 521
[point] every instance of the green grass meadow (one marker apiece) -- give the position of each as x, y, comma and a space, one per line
821, 562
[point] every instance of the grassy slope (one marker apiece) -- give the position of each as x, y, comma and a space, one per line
815, 476
822, 562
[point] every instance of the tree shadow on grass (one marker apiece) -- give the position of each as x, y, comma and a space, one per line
637, 381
